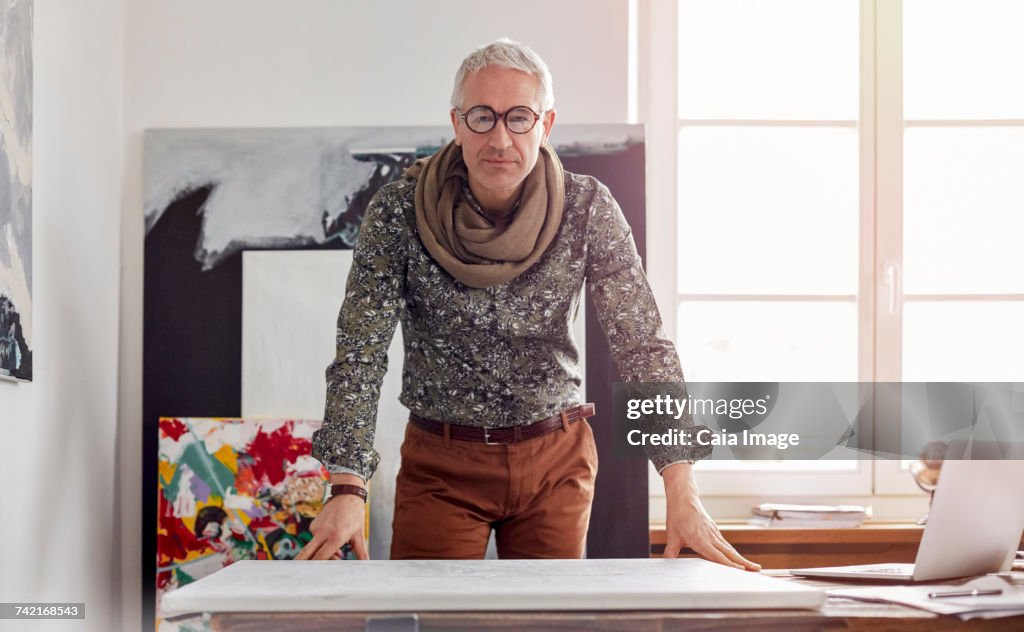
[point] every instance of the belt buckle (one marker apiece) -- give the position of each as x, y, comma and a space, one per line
487, 437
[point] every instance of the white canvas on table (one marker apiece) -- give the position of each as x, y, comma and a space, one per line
488, 586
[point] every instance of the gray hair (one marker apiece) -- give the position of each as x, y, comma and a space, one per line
506, 54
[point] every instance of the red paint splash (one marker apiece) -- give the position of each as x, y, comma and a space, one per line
272, 452
245, 481
174, 539
163, 580
261, 523
173, 428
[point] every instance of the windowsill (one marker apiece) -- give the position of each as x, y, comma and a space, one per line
885, 509
871, 530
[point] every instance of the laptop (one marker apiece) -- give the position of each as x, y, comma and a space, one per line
974, 527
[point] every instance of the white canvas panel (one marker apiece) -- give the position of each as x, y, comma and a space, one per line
290, 303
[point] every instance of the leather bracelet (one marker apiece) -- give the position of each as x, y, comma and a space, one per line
355, 490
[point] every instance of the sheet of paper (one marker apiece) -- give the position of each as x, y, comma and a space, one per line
1011, 598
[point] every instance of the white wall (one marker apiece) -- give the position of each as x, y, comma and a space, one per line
57, 433
249, 63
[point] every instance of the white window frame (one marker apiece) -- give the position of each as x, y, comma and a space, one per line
891, 477
882, 484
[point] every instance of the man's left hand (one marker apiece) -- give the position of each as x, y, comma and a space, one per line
687, 523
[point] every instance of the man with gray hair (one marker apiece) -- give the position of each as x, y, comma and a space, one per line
481, 251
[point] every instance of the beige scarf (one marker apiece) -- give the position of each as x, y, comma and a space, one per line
471, 249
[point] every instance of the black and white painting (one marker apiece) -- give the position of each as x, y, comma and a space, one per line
248, 244
16, 189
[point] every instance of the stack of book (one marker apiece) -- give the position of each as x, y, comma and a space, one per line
809, 516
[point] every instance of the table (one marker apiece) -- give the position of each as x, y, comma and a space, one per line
837, 614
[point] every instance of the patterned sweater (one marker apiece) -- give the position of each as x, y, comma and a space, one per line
492, 357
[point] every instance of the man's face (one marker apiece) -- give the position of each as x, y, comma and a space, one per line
498, 161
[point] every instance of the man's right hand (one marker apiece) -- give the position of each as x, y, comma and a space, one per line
340, 521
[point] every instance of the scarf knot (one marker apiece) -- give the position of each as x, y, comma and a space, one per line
472, 249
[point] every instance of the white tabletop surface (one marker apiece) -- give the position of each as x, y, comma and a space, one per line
485, 585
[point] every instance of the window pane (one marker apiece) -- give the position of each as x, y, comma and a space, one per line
963, 59
963, 342
768, 209
963, 210
768, 341
766, 59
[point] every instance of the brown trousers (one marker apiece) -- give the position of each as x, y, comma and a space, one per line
536, 495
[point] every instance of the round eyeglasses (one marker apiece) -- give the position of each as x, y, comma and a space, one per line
482, 119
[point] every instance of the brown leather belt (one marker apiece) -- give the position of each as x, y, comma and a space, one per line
508, 434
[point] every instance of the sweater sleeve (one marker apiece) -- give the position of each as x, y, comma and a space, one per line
366, 326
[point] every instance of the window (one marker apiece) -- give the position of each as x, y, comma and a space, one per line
840, 195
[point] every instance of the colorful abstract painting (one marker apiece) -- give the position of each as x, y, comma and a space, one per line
16, 189
229, 490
